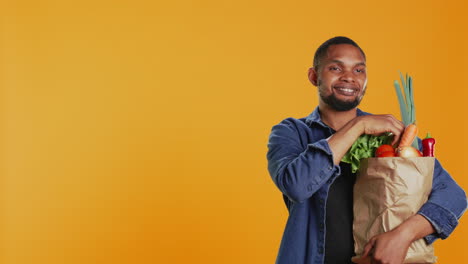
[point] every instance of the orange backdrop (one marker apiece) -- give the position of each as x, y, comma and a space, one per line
136, 131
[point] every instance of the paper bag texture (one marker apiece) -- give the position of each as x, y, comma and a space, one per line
387, 192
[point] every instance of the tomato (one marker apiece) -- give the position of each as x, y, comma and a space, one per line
387, 154
382, 149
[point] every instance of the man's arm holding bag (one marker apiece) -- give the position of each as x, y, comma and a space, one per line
446, 204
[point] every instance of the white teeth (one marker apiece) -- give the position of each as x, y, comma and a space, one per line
347, 90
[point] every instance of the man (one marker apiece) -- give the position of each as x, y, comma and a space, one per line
304, 162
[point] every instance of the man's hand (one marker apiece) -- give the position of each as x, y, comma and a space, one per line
389, 248
378, 124
344, 138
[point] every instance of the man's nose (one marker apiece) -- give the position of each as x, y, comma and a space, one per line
347, 76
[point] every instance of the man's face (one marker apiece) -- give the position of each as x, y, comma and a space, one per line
341, 77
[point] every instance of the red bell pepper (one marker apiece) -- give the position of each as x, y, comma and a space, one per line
428, 146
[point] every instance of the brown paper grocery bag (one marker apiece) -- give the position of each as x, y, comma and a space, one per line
387, 192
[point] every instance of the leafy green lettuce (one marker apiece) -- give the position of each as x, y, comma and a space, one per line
364, 147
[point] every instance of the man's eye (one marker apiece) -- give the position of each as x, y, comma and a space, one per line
360, 70
333, 68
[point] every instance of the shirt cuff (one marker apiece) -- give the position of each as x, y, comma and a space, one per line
443, 221
323, 145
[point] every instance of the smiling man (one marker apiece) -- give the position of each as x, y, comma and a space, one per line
304, 162
349, 88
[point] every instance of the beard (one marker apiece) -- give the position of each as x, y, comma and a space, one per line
338, 104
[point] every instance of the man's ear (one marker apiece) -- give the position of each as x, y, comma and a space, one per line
313, 76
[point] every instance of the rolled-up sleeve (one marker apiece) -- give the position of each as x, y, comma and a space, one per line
298, 168
446, 204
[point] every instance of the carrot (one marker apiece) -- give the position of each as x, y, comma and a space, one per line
410, 133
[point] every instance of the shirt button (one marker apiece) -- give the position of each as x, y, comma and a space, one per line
330, 167
329, 181
320, 250
322, 201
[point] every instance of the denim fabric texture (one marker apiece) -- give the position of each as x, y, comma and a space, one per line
300, 162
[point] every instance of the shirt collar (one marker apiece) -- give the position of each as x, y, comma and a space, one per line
314, 117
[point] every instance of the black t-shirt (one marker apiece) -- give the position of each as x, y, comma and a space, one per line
339, 242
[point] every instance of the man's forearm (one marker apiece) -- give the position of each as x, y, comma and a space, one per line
415, 227
344, 138
392, 246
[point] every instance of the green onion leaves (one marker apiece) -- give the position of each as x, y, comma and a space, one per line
406, 102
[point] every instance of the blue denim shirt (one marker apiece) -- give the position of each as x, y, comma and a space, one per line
301, 165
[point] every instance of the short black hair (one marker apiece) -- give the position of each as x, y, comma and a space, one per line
322, 50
